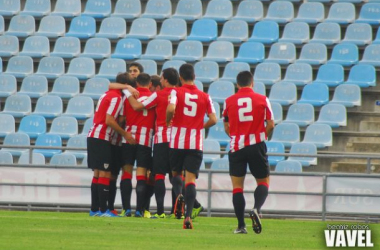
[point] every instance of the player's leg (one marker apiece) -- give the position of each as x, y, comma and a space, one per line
144, 162
129, 155
103, 189
149, 192
116, 165
94, 194
176, 159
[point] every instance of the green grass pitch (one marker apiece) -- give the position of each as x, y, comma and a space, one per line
53, 230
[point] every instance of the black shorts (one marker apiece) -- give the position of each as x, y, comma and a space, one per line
117, 159
185, 159
99, 154
256, 158
161, 164
140, 154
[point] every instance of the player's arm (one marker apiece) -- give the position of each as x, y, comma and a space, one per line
211, 121
269, 119
269, 127
170, 113
111, 122
120, 86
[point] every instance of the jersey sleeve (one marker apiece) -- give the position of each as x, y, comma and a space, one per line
225, 112
173, 97
114, 106
151, 101
210, 106
268, 110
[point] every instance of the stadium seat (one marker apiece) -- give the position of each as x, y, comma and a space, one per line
87, 126
319, 134
158, 9
7, 124
51, 67
21, 26
363, 75
268, 73
158, 50
235, 31
369, 14
10, 8
1, 65
67, 8
371, 55
189, 51
33, 125
9, 46
206, 72
173, 64
150, 66
217, 110
334, 115
2, 25
49, 106
348, 95
341, 13
16, 139
84, 161
291, 166
97, 48
251, 52
277, 112
313, 54
287, 133
296, 32
300, 113
276, 148
82, 27
299, 73
249, 11
311, 13
219, 10
82, 68
37, 8
48, 140
18, 105
20, 66
189, 10
36, 47
284, 93
217, 132
8, 85
304, 148
37, 159
282, 53
66, 47
6, 158
128, 49
326, 33
280, 12
358, 33
220, 164
232, 69
143, 29
345, 54
204, 30
95, 87
80, 107
110, 68
127, 9
97, 8
220, 51
220, 90
64, 126
52, 27
173, 29
266, 32
331, 74
65, 87
316, 94
199, 85
64, 159
210, 145
77, 141
34, 86
377, 37
112, 28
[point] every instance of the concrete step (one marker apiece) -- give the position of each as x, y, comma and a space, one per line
354, 167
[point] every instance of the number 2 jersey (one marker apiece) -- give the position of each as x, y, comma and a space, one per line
246, 112
187, 124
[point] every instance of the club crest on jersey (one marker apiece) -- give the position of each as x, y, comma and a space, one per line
106, 165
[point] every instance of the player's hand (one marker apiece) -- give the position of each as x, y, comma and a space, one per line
133, 91
130, 139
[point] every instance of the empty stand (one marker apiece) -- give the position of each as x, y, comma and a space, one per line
280, 12
358, 33
52, 27
77, 141
51, 67
7, 124
299, 73
65, 159
296, 32
18, 105
287, 133
97, 8
188, 10
292, 166
235, 31
48, 140
173, 29
97, 48
277, 112
37, 8
306, 149
326, 33
10, 8
80, 107
95, 87
369, 14
6, 158
277, 148
220, 90
158, 50
87, 126
64, 126
127, 9
219, 10
20, 66
204, 30
82, 27
176, 64
311, 13
33, 125
158, 9
251, 52
16, 139
266, 32
345, 54
67, 47
36, 46
21, 26
128, 49
249, 11
36, 159
150, 66
143, 29
34, 86
49, 106
67, 8
210, 145
282, 53
313, 54
371, 55
232, 69
206, 71
112, 28
284, 93
8, 85
349, 95
220, 51
220, 164
9, 46
217, 132
301, 114
110, 68
330, 74
316, 94
334, 115
363, 75
82, 68
341, 13
65, 87
268, 73
319, 134
189, 51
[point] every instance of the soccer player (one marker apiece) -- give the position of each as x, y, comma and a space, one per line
156, 83
135, 69
185, 112
245, 115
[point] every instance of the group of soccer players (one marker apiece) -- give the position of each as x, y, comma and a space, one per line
130, 120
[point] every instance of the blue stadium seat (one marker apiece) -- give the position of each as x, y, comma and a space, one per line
341, 13
232, 69
326, 33
220, 90
77, 141
268, 73
66, 87
311, 13
21, 26
7, 124
219, 10
9, 46
67, 47
1, 65
87, 126
313, 54
33, 125
64, 126
97, 8
20, 66
282, 53
158, 50
64, 159
251, 52
37, 8
143, 29
304, 148
276, 148
37, 159
287, 133
173, 29
204, 30
249, 11
259, 88
301, 114
296, 32
220, 164
199, 85
266, 32
330, 74
110, 68
150, 66
210, 145
80, 107
189, 10
371, 55
284, 93
217, 132
358, 33
189, 51
2, 25
48, 140
319, 134
95, 87
16, 139
18, 105
82, 27
36, 47
217, 110
377, 38
112, 28
8, 85
10, 8
6, 158
345, 54
334, 115
52, 27
127, 9
287, 166
206, 71
235, 31
67, 8
280, 12
97, 48
49, 106
176, 64
299, 73
51, 67
158, 9
369, 14
128, 49
82, 68
84, 161
220, 51
277, 112
349, 95
34, 86
363, 75
316, 94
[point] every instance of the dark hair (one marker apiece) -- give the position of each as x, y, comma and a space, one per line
126, 78
138, 65
186, 71
156, 80
143, 79
171, 75
244, 78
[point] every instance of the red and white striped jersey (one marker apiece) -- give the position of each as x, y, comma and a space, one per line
109, 103
160, 100
140, 123
246, 112
187, 124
